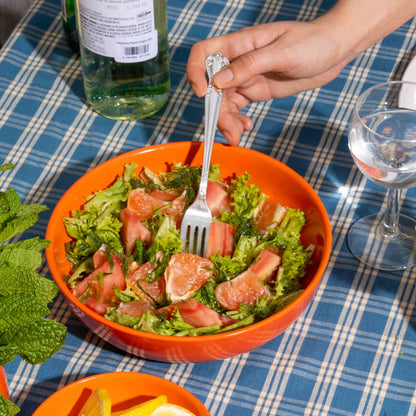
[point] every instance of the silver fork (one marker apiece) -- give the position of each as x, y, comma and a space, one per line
197, 219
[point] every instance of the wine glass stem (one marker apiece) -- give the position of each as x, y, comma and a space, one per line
391, 216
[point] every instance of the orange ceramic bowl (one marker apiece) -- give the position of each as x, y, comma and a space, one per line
277, 180
3, 383
125, 390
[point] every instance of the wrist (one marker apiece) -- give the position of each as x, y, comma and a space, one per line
355, 25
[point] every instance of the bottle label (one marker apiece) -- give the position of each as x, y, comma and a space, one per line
120, 29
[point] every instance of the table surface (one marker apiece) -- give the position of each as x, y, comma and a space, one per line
353, 351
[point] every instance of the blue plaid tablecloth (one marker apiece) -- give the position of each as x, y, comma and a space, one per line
353, 351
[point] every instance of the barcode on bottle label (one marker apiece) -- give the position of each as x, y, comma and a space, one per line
146, 13
138, 50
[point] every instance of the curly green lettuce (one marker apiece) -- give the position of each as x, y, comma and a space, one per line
97, 223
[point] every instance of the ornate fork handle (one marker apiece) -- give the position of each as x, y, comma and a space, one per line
213, 99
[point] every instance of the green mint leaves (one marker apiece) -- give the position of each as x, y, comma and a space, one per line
24, 294
7, 408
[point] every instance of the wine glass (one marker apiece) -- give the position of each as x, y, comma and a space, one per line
382, 142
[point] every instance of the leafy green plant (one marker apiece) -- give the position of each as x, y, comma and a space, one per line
24, 294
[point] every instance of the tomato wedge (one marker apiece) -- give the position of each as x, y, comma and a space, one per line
97, 289
194, 313
220, 239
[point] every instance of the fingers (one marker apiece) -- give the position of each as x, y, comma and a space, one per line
246, 67
232, 125
233, 46
195, 69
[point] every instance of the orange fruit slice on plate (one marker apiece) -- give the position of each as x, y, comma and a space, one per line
144, 409
98, 404
171, 410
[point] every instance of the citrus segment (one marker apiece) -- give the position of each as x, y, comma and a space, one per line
269, 215
98, 404
144, 409
185, 274
171, 410
144, 204
149, 291
245, 288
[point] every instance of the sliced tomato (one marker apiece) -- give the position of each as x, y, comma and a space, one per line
269, 214
220, 239
227, 321
135, 308
133, 229
143, 203
99, 257
217, 198
245, 288
148, 291
97, 289
265, 264
185, 274
194, 313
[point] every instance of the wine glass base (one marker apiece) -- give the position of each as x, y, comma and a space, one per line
371, 246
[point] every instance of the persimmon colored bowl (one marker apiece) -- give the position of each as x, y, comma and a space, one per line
125, 391
277, 180
3, 383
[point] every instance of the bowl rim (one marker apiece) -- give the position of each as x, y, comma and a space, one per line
137, 376
293, 306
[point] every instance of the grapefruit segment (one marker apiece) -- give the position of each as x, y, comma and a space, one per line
135, 308
244, 288
185, 274
138, 281
175, 210
163, 195
269, 214
144, 204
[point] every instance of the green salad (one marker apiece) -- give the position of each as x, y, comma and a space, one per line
128, 262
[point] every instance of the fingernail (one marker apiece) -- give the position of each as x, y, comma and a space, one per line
223, 77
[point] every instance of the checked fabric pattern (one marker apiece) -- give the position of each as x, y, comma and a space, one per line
353, 351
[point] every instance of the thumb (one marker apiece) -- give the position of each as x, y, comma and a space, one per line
246, 67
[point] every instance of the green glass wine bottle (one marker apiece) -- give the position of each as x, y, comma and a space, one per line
124, 56
69, 24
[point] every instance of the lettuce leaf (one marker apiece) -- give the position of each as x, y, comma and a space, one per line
97, 223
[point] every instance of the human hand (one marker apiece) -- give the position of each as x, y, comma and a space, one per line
267, 61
